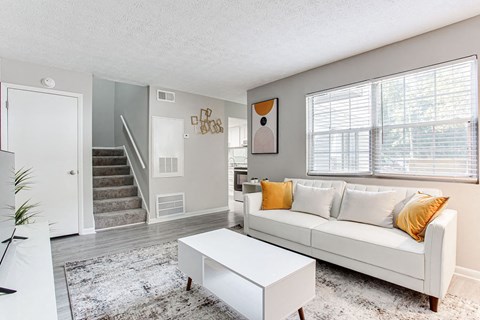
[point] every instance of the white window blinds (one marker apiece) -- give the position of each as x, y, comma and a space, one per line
422, 123
427, 123
339, 132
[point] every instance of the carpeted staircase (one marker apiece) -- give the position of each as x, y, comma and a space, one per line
115, 198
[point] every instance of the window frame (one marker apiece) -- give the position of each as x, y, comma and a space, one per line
375, 127
338, 131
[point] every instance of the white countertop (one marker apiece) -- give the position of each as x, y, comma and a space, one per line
252, 183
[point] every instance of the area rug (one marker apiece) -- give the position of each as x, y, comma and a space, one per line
146, 284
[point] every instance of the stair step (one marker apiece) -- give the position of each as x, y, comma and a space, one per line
119, 218
114, 192
111, 170
112, 181
107, 152
117, 204
109, 160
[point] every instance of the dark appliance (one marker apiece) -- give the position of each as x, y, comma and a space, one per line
240, 175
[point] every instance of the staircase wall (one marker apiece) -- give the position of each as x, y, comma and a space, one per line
103, 105
131, 101
110, 100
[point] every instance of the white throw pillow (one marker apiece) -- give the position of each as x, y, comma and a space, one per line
312, 200
368, 207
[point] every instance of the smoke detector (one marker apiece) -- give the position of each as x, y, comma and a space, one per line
48, 83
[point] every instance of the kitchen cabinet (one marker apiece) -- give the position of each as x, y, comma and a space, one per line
237, 136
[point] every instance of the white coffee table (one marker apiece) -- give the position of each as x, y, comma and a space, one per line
257, 279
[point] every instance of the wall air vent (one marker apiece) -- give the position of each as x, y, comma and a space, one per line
168, 165
165, 96
168, 204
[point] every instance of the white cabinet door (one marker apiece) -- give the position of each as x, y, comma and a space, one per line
233, 137
243, 134
43, 134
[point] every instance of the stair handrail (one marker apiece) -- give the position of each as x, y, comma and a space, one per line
133, 142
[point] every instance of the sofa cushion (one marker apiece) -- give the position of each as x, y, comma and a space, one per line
391, 249
286, 224
276, 195
403, 194
317, 201
374, 208
418, 213
337, 185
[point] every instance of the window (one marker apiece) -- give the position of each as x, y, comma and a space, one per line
418, 124
340, 128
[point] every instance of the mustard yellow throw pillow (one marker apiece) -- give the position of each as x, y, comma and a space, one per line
276, 195
418, 213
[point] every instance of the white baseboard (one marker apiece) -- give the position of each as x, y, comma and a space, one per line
467, 273
188, 214
86, 231
122, 226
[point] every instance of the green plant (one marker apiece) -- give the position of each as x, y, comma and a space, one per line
24, 213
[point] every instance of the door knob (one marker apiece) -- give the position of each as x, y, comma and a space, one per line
72, 172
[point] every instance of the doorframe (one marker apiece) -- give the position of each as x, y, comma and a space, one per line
4, 86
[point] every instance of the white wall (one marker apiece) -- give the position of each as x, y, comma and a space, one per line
235, 110
452, 42
22, 73
205, 179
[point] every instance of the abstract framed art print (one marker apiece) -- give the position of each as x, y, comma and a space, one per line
264, 119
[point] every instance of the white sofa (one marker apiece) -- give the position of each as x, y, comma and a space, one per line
388, 254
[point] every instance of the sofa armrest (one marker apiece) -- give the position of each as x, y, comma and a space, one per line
252, 202
440, 253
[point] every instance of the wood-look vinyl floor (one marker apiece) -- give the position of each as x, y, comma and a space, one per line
123, 239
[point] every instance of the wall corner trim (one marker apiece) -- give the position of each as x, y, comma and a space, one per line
189, 214
467, 273
86, 231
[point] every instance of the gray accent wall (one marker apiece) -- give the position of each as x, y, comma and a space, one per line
448, 43
205, 172
103, 113
131, 101
28, 74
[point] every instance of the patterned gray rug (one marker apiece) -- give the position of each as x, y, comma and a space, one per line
146, 284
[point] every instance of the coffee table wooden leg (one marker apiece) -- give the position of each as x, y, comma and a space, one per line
189, 284
301, 314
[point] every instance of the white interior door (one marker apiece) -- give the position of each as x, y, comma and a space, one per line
43, 134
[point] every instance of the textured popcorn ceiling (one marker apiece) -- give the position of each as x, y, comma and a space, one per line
218, 48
